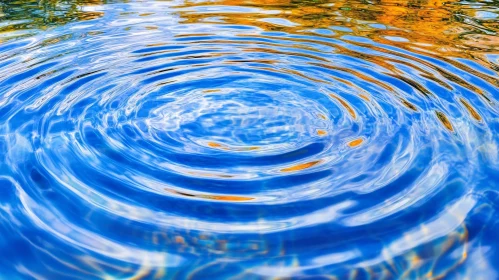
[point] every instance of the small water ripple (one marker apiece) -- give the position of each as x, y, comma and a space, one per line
247, 140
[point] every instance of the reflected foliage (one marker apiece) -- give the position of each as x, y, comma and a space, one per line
443, 24
40, 14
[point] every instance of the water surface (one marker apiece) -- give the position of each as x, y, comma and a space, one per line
249, 139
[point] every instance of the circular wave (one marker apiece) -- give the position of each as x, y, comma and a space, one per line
183, 145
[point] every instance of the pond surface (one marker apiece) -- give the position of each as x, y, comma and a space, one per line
249, 139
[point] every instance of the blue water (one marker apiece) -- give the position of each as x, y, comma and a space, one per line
249, 140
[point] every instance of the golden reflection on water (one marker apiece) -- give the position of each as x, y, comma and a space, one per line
301, 166
471, 110
355, 143
321, 132
445, 121
444, 30
431, 25
227, 148
349, 108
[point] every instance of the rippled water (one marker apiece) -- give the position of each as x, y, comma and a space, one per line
249, 140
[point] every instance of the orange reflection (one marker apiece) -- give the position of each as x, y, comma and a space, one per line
321, 132
215, 145
228, 198
301, 166
225, 147
345, 104
355, 143
365, 97
322, 117
434, 25
231, 198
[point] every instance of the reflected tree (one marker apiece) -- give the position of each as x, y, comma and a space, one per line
32, 14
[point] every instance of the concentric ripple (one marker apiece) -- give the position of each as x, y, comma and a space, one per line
247, 140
